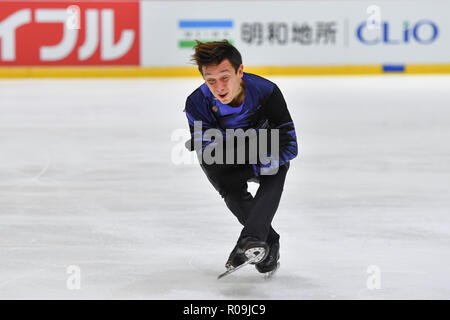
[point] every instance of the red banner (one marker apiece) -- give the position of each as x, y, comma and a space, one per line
69, 33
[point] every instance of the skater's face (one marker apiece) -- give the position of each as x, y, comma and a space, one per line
223, 81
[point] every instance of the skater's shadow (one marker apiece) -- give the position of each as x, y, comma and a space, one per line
255, 286
199, 281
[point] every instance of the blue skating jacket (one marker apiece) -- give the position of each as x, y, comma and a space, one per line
264, 106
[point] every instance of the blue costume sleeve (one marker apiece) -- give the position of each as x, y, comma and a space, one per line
195, 112
275, 110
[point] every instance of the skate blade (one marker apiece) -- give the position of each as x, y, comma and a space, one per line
232, 269
253, 254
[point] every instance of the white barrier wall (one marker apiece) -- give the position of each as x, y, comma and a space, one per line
151, 33
299, 32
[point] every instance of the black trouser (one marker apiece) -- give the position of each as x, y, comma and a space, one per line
254, 213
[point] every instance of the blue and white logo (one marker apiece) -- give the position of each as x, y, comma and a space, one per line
421, 32
203, 30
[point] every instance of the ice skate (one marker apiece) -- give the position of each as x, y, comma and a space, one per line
271, 263
248, 250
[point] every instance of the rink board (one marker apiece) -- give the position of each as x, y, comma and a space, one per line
138, 72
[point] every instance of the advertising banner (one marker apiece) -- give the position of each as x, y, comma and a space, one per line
283, 33
69, 33
155, 34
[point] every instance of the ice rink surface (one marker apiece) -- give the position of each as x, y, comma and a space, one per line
87, 178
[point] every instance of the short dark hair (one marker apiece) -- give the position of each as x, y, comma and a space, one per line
214, 52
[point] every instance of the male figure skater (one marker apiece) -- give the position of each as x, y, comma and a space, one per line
233, 99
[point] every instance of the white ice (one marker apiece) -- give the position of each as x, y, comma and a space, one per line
87, 179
